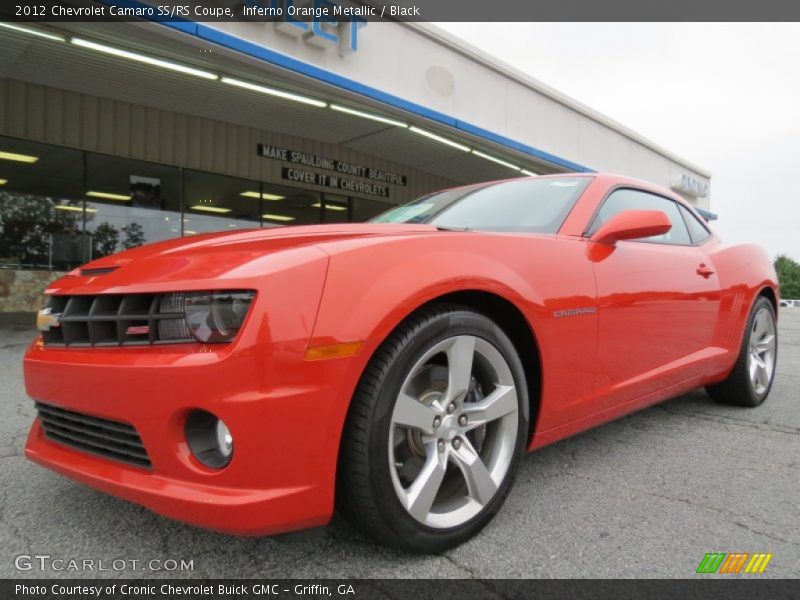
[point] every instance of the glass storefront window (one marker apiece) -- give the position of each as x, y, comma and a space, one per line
41, 212
218, 203
337, 209
288, 206
62, 207
129, 203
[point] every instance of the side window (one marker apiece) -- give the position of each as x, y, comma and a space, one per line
626, 199
697, 230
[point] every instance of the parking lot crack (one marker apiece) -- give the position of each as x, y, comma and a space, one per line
463, 567
729, 516
728, 420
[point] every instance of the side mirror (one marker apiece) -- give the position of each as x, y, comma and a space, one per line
632, 225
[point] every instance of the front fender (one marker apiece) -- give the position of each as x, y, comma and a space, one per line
369, 291
372, 286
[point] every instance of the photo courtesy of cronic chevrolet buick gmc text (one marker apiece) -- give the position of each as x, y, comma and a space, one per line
250, 382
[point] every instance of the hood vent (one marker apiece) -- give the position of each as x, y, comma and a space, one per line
97, 271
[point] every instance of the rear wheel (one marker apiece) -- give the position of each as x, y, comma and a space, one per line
751, 379
435, 432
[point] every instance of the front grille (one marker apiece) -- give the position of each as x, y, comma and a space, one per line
118, 320
112, 439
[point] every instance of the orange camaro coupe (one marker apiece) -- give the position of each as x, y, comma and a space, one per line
250, 382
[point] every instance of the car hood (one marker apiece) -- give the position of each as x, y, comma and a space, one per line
220, 256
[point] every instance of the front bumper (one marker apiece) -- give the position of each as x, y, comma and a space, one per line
285, 414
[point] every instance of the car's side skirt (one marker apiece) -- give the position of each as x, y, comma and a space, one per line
554, 434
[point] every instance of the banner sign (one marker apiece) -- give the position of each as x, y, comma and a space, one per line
333, 181
330, 164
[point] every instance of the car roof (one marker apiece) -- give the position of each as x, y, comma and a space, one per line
609, 179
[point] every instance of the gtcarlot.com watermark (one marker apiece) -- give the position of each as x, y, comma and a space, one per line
48, 563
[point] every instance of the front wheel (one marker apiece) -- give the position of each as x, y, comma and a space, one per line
435, 431
751, 379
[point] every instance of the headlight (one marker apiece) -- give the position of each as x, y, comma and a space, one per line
217, 316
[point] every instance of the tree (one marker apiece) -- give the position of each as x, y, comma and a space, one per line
27, 222
788, 271
106, 238
134, 236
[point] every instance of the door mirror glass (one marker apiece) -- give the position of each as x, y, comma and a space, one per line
632, 225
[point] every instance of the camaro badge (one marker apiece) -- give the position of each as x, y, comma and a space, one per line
572, 312
46, 319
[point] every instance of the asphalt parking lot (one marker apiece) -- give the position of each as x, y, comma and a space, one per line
645, 496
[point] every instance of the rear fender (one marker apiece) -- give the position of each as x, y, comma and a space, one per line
744, 271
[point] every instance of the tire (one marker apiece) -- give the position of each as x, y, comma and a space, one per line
750, 381
413, 471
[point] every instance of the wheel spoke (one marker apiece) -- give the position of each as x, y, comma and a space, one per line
502, 401
422, 493
459, 359
480, 485
763, 375
410, 412
752, 367
760, 325
765, 343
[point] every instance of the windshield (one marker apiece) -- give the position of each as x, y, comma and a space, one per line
530, 205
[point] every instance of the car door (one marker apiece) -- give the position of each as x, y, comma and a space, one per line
658, 302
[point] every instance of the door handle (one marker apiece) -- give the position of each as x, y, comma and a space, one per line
705, 271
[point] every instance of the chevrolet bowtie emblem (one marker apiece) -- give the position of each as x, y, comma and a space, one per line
46, 319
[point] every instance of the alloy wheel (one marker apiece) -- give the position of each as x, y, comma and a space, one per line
453, 431
762, 350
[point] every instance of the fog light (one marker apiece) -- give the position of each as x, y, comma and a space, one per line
224, 439
209, 439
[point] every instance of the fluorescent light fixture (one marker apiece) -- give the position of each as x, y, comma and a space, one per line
150, 60
526, 172
74, 208
108, 196
37, 32
494, 159
330, 206
211, 209
273, 92
3, 181
438, 138
263, 196
18, 157
277, 217
370, 116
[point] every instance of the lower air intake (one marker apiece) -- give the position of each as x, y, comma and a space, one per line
111, 439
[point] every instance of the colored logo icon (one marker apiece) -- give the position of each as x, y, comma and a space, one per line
734, 562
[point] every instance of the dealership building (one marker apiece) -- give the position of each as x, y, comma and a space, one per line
117, 134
